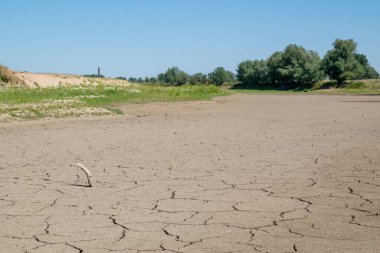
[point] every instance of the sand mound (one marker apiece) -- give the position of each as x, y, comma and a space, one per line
53, 80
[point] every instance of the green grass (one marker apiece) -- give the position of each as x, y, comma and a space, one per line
362, 87
266, 91
73, 101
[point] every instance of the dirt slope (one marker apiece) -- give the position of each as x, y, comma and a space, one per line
53, 80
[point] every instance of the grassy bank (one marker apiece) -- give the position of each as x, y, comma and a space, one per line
74, 101
365, 87
361, 87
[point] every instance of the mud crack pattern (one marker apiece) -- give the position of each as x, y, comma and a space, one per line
243, 173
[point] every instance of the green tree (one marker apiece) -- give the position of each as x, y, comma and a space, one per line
198, 78
132, 80
244, 69
152, 80
369, 71
170, 76
340, 62
220, 76
295, 66
174, 76
300, 66
274, 62
253, 72
182, 78
161, 78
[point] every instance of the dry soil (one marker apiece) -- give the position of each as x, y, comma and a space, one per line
244, 173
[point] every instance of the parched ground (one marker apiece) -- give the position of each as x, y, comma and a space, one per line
244, 173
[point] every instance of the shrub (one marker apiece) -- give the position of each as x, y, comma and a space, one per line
8, 77
355, 85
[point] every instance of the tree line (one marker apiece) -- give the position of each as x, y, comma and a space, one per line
175, 76
291, 68
295, 66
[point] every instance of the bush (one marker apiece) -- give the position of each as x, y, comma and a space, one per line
8, 77
355, 85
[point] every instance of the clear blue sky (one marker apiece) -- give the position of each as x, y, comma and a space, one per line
145, 37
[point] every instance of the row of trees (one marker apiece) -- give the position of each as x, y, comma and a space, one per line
176, 76
295, 66
94, 76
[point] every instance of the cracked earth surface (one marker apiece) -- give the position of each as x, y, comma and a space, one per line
244, 173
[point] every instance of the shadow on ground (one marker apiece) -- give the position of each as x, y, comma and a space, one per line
274, 87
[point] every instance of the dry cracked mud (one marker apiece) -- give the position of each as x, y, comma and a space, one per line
244, 173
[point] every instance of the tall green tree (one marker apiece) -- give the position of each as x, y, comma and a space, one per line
274, 62
295, 66
182, 78
253, 72
243, 70
340, 62
369, 71
300, 66
219, 76
171, 75
161, 78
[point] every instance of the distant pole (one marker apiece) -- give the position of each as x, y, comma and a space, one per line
98, 71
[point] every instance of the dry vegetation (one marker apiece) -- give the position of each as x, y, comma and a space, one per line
8, 77
91, 100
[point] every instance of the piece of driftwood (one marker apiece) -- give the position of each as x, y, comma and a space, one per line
87, 172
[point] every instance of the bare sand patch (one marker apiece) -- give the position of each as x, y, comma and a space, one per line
44, 80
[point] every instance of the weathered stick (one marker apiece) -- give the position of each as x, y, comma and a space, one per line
88, 173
